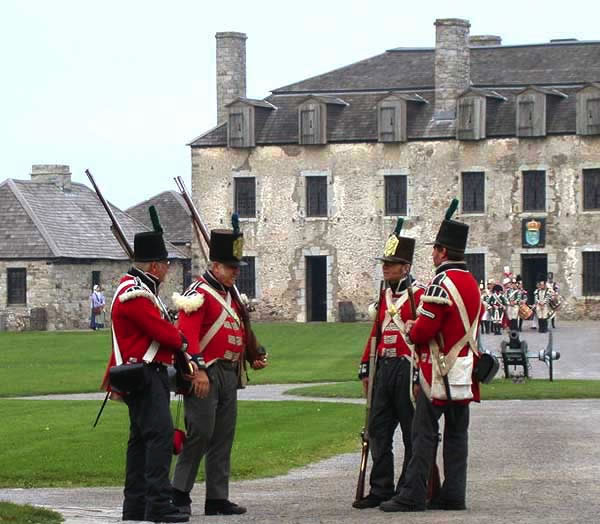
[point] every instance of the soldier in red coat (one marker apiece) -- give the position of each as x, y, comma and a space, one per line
211, 322
392, 387
142, 333
445, 335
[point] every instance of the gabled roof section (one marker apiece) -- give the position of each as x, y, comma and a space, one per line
408, 97
40, 220
252, 102
544, 91
330, 100
174, 216
483, 92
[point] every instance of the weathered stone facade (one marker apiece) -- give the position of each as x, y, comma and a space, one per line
354, 232
62, 288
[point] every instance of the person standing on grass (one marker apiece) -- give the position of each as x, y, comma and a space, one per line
97, 303
445, 335
393, 381
143, 333
210, 320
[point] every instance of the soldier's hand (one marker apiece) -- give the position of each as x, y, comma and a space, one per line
200, 383
260, 363
365, 383
416, 389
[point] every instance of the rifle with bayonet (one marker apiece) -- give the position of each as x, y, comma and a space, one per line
253, 350
364, 434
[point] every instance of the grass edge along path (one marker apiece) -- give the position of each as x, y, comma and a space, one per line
499, 389
62, 449
18, 513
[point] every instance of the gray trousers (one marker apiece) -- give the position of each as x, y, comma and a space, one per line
391, 406
425, 434
210, 426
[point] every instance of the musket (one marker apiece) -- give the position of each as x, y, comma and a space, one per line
253, 350
364, 434
115, 227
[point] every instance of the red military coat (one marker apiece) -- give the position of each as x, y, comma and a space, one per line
439, 322
212, 330
394, 310
139, 319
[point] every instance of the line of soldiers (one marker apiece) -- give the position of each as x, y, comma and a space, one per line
507, 306
425, 364
210, 336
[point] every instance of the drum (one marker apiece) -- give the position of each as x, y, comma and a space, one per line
554, 302
525, 311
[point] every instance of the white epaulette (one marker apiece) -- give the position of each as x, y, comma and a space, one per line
188, 303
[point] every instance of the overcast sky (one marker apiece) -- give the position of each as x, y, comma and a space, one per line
120, 87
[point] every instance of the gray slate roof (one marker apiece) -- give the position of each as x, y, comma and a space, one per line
506, 70
173, 213
40, 220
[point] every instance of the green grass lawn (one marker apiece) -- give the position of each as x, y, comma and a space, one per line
52, 443
17, 514
33, 363
499, 389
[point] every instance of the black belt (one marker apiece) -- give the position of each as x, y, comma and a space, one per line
228, 363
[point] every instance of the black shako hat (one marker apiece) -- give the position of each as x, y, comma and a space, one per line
149, 246
452, 234
398, 250
227, 245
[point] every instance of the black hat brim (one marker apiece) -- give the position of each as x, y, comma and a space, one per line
393, 260
232, 263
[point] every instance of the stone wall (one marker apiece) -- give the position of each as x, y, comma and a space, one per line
355, 231
231, 70
63, 288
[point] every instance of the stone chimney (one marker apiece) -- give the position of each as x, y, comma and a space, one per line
484, 40
58, 174
452, 65
231, 70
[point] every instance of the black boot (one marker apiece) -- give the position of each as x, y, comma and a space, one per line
222, 507
182, 501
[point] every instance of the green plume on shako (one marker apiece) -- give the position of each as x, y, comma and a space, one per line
398, 227
235, 223
155, 221
452, 208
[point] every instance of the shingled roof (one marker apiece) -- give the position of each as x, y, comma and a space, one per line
566, 66
42, 220
173, 213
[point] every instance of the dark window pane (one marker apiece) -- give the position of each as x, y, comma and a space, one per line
316, 196
534, 191
473, 192
16, 285
246, 282
476, 265
395, 195
245, 197
591, 189
591, 273
95, 278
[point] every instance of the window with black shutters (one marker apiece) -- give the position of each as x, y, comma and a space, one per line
245, 197
534, 191
246, 281
591, 272
395, 195
16, 285
316, 196
476, 265
473, 192
591, 189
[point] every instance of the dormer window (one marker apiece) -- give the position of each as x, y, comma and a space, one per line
588, 110
244, 116
312, 118
531, 110
391, 116
471, 113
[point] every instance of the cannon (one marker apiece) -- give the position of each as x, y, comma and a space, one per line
514, 353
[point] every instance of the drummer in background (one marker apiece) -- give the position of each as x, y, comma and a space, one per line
485, 298
523, 298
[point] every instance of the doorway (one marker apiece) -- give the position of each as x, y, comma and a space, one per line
533, 269
316, 289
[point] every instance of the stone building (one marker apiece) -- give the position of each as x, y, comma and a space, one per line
320, 169
55, 244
